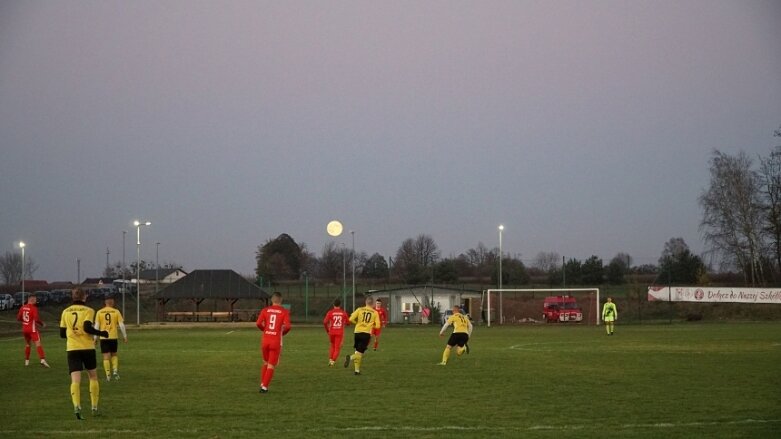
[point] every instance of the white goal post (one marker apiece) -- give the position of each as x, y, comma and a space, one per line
533, 290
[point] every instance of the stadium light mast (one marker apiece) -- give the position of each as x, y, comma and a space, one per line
124, 286
22, 245
352, 232
501, 314
138, 225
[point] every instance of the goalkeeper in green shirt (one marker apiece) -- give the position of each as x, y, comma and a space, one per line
609, 315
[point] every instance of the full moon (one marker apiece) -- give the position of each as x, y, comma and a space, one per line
334, 228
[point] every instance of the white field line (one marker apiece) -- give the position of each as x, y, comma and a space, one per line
444, 428
229, 332
12, 339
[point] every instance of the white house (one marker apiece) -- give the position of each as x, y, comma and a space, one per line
407, 304
165, 275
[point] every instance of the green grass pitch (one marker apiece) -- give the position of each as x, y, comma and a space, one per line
671, 381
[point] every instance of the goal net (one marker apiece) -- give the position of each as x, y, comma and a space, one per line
541, 305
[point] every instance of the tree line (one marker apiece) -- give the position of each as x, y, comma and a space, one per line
418, 260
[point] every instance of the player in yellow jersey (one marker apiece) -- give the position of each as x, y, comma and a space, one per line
462, 329
365, 320
76, 326
110, 319
609, 315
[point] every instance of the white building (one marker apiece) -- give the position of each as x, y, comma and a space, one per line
407, 304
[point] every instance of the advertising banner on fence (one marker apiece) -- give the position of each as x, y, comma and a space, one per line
706, 294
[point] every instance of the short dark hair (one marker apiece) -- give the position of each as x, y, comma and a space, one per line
337, 302
276, 294
78, 295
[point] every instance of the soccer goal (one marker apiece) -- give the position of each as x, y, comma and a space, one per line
534, 305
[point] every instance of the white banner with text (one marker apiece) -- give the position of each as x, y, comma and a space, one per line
707, 294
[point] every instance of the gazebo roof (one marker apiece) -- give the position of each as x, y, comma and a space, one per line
212, 284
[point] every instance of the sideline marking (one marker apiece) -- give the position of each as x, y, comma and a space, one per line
660, 425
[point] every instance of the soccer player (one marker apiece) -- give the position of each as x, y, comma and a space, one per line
383, 313
334, 322
110, 319
462, 329
365, 319
609, 315
274, 321
28, 315
76, 325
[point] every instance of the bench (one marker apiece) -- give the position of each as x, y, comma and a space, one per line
196, 316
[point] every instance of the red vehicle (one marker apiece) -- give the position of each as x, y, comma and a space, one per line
561, 309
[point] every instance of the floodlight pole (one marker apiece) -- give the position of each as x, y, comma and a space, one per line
124, 285
501, 313
138, 225
344, 278
352, 232
22, 245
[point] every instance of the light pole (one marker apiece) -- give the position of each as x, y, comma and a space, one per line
157, 266
22, 245
501, 314
124, 285
344, 277
138, 225
352, 232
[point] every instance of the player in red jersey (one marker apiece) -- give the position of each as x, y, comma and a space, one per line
334, 323
383, 321
274, 321
28, 315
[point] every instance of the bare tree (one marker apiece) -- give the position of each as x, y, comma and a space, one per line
770, 178
546, 261
415, 259
732, 222
11, 268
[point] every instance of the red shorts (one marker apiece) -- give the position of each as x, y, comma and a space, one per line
271, 351
336, 339
31, 336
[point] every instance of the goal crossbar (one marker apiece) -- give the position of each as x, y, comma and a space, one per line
542, 290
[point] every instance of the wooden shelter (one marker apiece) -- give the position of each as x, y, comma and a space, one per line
200, 285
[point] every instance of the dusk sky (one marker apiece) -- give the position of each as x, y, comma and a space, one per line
585, 127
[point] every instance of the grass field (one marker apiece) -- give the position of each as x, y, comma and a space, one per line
672, 381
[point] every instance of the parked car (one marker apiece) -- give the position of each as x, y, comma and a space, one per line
6, 302
18, 302
60, 296
43, 298
561, 309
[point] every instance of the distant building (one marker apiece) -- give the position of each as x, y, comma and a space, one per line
407, 304
165, 275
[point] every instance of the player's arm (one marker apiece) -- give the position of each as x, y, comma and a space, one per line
19, 314
89, 329
354, 317
123, 330
469, 327
97, 326
444, 327
286, 326
377, 321
63, 330
261, 323
326, 321
37, 319
615, 312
